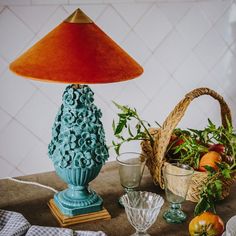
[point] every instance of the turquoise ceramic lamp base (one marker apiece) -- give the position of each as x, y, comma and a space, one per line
78, 151
71, 207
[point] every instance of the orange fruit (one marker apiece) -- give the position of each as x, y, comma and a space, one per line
210, 159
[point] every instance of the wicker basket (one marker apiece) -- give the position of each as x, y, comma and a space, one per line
157, 161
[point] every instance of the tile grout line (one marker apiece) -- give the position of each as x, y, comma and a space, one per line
176, 30
44, 94
9, 163
212, 25
173, 28
104, 101
26, 156
102, 12
17, 169
9, 121
26, 25
126, 23
49, 17
192, 48
139, 20
16, 120
121, 16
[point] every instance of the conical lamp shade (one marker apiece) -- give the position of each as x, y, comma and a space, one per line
77, 51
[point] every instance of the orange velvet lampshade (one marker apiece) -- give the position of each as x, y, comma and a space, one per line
77, 51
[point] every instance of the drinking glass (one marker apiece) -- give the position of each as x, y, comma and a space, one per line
131, 167
177, 178
142, 209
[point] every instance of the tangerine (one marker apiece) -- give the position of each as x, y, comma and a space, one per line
209, 159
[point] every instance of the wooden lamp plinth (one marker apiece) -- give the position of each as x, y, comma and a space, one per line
65, 221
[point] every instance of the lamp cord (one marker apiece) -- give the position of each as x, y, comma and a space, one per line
32, 183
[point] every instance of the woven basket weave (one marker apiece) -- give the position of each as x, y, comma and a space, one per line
156, 155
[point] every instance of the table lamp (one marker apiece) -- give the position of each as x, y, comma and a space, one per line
77, 52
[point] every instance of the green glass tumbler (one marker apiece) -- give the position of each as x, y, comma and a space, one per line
177, 178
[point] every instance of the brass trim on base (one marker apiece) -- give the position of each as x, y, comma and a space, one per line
65, 221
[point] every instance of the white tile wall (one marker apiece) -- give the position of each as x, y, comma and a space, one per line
190, 72
214, 45
34, 16
39, 120
3, 65
194, 25
225, 25
5, 118
10, 25
11, 96
176, 10
132, 12
54, 19
172, 51
153, 27
131, 43
182, 44
121, 27
153, 79
215, 9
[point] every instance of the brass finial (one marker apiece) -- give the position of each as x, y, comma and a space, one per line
78, 17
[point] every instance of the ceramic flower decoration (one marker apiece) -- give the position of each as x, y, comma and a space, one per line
78, 138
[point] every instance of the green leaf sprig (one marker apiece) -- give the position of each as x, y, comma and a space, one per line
212, 190
188, 152
127, 115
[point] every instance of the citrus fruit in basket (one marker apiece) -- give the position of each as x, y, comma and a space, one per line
210, 159
206, 224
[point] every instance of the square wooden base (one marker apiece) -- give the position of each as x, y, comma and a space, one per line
71, 220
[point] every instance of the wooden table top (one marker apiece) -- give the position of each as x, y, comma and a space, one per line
31, 201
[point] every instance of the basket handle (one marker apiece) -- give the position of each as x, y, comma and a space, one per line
165, 132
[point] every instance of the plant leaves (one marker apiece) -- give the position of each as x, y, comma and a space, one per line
201, 206
113, 125
120, 126
211, 204
138, 127
129, 130
209, 169
211, 123
218, 186
117, 149
122, 108
226, 173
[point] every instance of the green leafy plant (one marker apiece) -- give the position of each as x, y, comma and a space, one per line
187, 147
127, 115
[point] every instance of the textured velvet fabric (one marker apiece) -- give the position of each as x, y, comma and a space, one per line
76, 53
